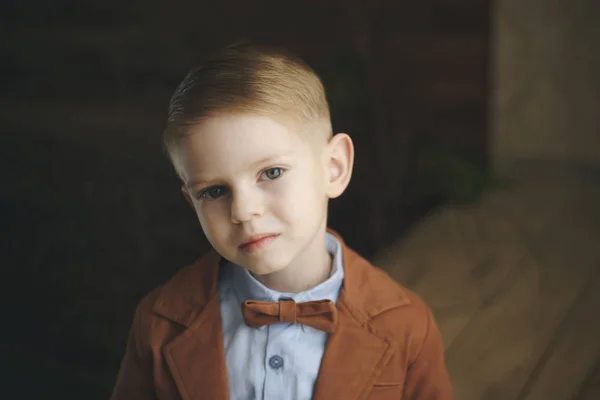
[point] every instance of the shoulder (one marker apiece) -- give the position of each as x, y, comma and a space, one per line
184, 295
384, 299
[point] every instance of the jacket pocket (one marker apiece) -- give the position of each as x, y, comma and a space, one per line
386, 391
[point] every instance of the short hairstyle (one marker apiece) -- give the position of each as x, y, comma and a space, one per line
248, 78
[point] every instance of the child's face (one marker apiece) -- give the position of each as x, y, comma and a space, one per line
248, 176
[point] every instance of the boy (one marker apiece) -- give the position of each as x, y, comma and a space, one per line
282, 308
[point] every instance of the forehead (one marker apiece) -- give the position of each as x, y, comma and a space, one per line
225, 144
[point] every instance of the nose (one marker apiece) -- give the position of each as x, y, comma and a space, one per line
245, 205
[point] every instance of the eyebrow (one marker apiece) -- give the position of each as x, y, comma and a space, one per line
263, 160
267, 160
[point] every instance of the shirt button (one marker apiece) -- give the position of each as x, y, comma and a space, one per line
276, 362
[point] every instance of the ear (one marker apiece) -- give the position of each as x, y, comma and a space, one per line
339, 163
187, 196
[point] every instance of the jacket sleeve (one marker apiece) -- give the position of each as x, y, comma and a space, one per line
427, 377
135, 379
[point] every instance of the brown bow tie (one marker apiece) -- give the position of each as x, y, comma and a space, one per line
320, 314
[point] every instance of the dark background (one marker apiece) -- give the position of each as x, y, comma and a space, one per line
91, 216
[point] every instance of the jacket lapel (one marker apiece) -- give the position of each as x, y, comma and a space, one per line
353, 360
356, 356
196, 357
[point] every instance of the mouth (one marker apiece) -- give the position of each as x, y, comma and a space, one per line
257, 242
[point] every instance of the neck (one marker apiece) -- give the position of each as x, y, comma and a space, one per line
308, 270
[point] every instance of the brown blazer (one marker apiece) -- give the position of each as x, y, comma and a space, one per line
387, 345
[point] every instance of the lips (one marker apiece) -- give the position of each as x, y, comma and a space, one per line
257, 242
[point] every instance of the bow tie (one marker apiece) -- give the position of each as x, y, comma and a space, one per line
319, 314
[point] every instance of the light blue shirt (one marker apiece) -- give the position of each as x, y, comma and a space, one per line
278, 361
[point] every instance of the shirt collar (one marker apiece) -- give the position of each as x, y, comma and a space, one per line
248, 287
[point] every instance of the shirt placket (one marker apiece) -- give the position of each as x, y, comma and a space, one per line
276, 362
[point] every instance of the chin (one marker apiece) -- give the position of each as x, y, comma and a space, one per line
263, 269
264, 265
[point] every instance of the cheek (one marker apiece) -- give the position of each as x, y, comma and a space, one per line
297, 196
211, 216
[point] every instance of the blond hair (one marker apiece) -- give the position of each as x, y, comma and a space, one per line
248, 78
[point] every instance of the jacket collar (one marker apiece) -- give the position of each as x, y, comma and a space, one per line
353, 359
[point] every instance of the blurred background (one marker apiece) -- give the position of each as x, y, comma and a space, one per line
477, 178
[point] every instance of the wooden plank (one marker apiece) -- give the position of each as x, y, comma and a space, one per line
495, 354
459, 257
573, 353
533, 248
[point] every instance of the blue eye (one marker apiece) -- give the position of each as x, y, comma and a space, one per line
212, 193
273, 173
